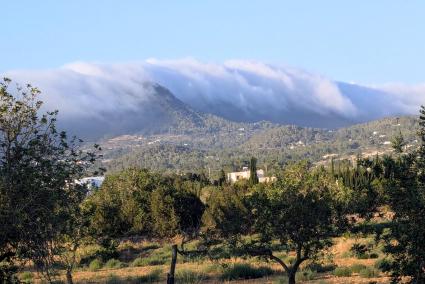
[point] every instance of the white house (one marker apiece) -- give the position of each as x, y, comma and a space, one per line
245, 173
92, 182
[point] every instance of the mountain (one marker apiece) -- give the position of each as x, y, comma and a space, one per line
157, 96
156, 111
230, 145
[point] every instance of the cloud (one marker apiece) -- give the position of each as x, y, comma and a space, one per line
236, 89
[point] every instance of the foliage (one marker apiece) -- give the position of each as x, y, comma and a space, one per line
113, 263
300, 211
368, 272
189, 276
95, 264
39, 198
253, 178
245, 271
406, 190
342, 271
149, 261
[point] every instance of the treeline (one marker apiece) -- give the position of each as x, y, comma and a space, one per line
46, 216
273, 145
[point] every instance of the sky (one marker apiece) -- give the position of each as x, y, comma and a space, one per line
363, 41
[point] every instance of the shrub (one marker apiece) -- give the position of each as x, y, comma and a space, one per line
153, 276
356, 268
113, 279
382, 264
373, 255
113, 263
359, 249
26, 277
102, 252
305, 275
190, 277
148, 261
95, 264
369, 272
245, 271
320, 268
342, 272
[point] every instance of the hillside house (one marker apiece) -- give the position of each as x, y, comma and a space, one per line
245, 173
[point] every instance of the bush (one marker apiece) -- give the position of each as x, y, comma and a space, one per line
359, 249
369, 273
356, 268
189, 277
153, 276
373, 255
26, 277
108, 251
113, 263
383, 264
245, 271
342, 272
149, 261
320, 268
95, 264
113, 279
305, 275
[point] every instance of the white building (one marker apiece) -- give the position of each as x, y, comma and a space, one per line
245, 173
92, 182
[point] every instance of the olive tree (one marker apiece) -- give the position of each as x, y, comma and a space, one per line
38, 169
299, 212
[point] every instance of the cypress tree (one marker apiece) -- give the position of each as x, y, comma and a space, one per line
253, 178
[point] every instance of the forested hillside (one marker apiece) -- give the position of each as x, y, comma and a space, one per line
229, 145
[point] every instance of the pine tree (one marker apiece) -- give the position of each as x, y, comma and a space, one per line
398, 143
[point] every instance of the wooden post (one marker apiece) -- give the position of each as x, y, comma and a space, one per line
170, 275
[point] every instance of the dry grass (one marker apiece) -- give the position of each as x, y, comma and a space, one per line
213, 270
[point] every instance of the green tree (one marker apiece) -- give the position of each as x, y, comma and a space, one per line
38, 169
398, 143
253, 178
405, 184
299, 211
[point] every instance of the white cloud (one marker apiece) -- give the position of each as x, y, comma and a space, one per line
235, 89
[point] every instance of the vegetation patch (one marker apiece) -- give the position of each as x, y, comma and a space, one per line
95, 264
190, 277
369, 272
342, 271
245, 271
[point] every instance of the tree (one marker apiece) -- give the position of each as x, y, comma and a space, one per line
299, 211
405, 186
253, 178
38, 169
222, 178
176, 212
398, 143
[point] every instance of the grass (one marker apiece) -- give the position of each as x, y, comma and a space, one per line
190, 277
113, 264
26, 277
342, 271
245, 271
305, 275
149, 261
95, 264
369, 272
356, 268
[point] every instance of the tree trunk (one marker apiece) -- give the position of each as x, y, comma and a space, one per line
291, 277
170, 275
69, 277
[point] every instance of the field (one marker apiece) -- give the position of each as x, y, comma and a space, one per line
148, 262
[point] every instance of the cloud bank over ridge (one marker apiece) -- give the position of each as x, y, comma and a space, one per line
239, 90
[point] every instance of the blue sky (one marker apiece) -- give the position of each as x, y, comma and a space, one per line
362, 41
